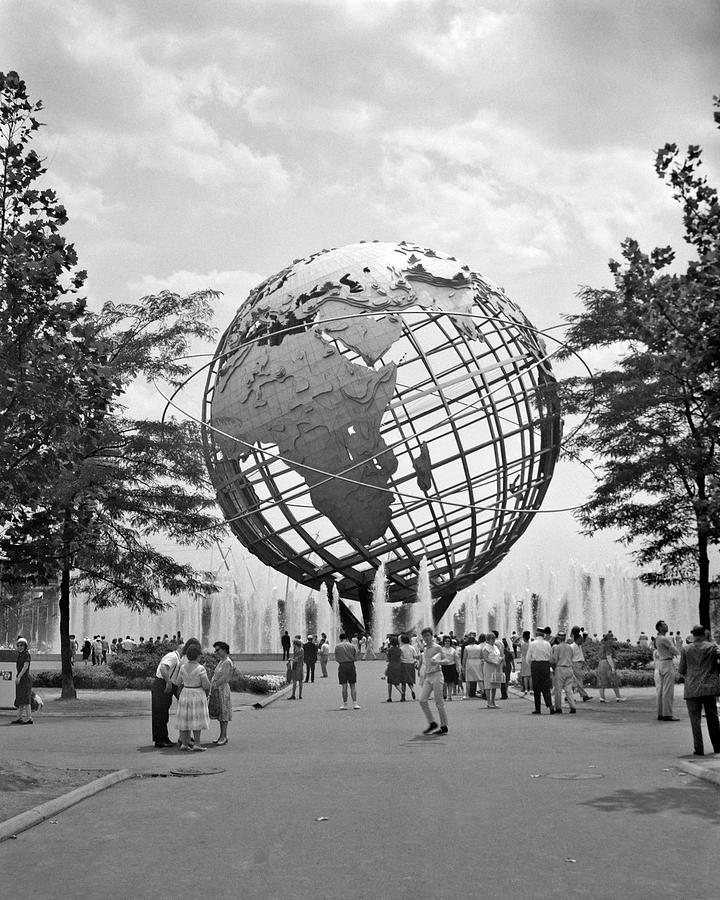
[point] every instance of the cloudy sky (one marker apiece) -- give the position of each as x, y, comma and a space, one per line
210, 144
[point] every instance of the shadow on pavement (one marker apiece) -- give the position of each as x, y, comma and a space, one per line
693, 800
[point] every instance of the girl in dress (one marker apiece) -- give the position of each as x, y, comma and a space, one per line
524, 664
448, 664
492, 669
393, 671
192, 714
221, 683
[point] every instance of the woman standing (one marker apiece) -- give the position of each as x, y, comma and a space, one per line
449, 666
408, 665
472, 667
23, 683
606, 673
393, 670
295, 667
524, 664
220, 684
192, 714
492, 669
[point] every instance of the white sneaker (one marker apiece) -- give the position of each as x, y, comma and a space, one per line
602, 699
620, 699
343, 706
357, 706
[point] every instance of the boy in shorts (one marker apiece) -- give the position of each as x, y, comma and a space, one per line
345, 656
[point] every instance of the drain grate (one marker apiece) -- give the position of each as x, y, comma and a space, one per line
192, 771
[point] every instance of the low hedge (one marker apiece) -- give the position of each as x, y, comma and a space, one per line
629, 678
135, 671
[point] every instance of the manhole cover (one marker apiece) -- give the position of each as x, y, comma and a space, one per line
191, 771
573, 776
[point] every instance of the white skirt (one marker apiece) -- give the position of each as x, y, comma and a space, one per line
192, 712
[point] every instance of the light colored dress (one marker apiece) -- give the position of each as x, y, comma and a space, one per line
524, 664
472, 660
192, 712
221, 680
492, 665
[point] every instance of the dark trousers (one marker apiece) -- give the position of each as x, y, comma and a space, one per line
309, 671
542, 683
161, 703
695, 706
286, 653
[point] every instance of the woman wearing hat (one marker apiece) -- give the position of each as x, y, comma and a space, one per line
295, 669
221, 684
23, 683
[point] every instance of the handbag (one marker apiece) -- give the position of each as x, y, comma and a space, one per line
214, 705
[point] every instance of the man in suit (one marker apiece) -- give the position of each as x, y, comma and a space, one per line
311, 653
700, 664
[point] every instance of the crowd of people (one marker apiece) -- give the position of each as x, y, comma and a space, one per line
99, 651
548, 666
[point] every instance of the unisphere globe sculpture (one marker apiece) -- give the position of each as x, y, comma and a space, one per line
380, 403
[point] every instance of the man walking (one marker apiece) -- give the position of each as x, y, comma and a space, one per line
345, 656
665, 687
311, 654
540, 657
578, 663
699, 663
564, 678
431, 683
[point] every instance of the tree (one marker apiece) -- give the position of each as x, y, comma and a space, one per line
132, 481
53, 371
652, 418
85, 489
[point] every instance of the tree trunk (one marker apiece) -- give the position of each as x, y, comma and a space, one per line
704, 579
68, 685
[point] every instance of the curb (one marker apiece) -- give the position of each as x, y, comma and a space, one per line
283, 692
711, 775
39, 814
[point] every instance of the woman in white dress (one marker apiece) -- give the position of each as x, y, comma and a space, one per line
472, 668
192, 714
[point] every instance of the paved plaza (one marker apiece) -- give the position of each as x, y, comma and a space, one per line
315, 802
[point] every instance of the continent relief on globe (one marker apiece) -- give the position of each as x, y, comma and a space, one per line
323, 412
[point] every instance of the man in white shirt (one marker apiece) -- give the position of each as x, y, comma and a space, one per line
128, 643
346, 655
161, 692
665, 689
540, 657
431, 683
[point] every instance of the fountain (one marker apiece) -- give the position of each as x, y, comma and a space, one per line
253, 606
422, 608
382, 610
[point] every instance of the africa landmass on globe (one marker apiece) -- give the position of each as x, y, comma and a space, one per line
283, 381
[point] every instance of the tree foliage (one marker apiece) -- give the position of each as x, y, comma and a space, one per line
87, 491
652, 417
53, 369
